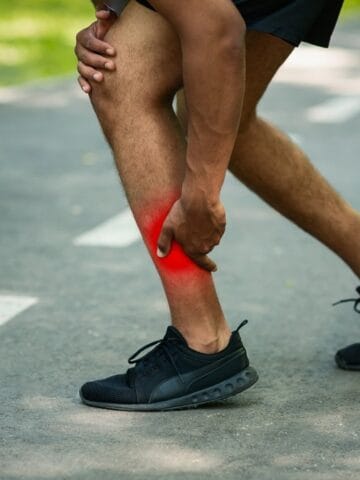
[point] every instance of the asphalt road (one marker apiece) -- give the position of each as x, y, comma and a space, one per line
73, 308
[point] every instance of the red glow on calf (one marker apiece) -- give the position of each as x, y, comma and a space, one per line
176, 261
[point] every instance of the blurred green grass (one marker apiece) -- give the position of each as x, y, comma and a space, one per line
37, 37
351, 6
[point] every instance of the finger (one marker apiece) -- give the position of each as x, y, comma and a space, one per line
204, 262
205, 249
85, 86
89, 73
164, 242
90, 42
217, 240
102, 28
94, 60
103, 14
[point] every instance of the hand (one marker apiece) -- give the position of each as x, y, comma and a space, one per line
197, 226
92, 52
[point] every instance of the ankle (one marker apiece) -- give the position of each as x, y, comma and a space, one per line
210, 343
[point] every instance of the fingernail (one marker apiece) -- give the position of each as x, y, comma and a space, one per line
108, 66
97, 77
86, 89
159, 253
110, 51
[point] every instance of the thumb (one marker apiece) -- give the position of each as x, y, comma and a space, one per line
105, 19
164, 241
102, 28
103, 14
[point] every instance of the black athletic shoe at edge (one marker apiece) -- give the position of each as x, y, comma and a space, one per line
348, 358
173, 376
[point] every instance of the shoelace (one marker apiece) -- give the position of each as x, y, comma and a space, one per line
242, 324
355, 300
163, 345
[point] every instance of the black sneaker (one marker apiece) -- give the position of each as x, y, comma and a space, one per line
348, 358
173, 376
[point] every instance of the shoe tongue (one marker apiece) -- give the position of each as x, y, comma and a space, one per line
173, 333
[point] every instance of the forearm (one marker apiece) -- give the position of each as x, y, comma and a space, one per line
212, 37
213, 74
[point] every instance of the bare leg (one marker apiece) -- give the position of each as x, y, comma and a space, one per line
276, 169
134, 109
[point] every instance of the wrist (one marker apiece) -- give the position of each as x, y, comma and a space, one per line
200, 188
197, 197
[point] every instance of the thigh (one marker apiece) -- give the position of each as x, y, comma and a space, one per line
265, 53
148, 55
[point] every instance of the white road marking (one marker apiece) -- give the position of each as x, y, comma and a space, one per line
119, 231
12, 305
334, 70
335, 110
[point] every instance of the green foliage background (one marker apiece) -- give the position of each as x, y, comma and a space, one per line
37, 37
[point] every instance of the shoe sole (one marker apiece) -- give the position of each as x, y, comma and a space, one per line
344, 366
218, 392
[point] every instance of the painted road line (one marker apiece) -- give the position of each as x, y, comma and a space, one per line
119, 231
335, 110
12, 305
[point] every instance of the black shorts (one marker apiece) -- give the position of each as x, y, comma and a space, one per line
294, 21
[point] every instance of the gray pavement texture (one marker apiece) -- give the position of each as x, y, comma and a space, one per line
98, 305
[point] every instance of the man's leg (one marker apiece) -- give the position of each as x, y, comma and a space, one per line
270, 164
134, 106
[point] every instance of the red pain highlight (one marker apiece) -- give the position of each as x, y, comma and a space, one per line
176, 261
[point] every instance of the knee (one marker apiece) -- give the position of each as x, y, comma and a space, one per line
248, 120
244, 140
137, 84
